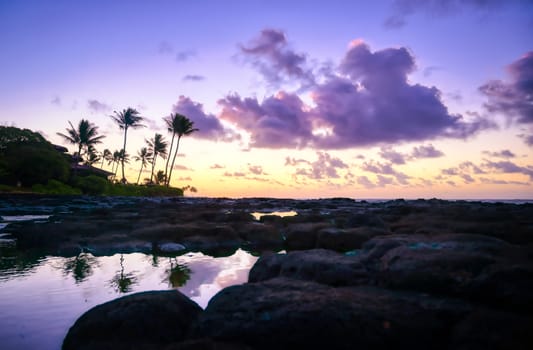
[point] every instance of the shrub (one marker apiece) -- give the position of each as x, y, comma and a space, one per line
55, 187
92, 184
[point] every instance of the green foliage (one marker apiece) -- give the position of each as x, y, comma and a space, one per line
55, 187
143, 191
26, 158
92, 184
31, 164
10, 135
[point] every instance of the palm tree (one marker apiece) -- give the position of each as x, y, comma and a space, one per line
157, 147
160, 178
143, 156
117, 156
106, 155
127, 118
179, 125
92, 156
85, 135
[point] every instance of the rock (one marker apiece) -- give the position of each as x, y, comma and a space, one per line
486, 329
346, 239
451, 264
142, 320
303, 236
318, 265
170, 247
289, 314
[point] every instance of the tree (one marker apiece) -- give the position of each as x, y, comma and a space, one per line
106, 156
127, 118
179, 125
26, 158
143, 156
84, 136
93, 156
157, 147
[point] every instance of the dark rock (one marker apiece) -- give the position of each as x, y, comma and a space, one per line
143, 320
319, 265
303, 236
346, 239
486, 329
288, 314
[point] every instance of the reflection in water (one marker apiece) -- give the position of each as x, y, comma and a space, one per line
123, 282
258, 215
178, 274
42, 296
80, 266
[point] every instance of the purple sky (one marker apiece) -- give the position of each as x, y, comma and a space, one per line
302, 98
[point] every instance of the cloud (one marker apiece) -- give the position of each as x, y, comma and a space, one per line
368, 102
293, 161
96, 106
193, 77
186, 178
500, 154
185, 55
256, 170
235, 174
508, 167
325, 167
392, 156
463, 169
402, 9
270, 54
365, 182
217, 166
182, 167
513, 99
426, 152
278, 122
56, 101
209, 125
165, 48
385, 169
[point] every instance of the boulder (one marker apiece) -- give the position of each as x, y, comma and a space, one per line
138, 321
346, 239
302, 236
318, 265
284, 313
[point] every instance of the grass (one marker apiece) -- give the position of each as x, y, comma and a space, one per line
95, 186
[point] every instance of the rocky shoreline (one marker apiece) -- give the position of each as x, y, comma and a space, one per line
370, 275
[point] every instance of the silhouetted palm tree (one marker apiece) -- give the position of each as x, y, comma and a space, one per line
92, 156
106, 155
179, 125
160, 178
127, 118
158, 147
84, 136
143, 156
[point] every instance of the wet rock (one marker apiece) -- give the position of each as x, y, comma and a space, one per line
302, 236
489, 329
346, 239
288, 314
318, 265
138, 321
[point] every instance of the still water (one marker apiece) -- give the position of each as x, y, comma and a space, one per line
41, 299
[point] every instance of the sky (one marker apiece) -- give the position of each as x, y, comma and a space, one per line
292, 99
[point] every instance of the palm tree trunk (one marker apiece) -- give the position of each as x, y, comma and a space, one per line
140, 171
168, 159
153, 167
124, 153
173, 160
